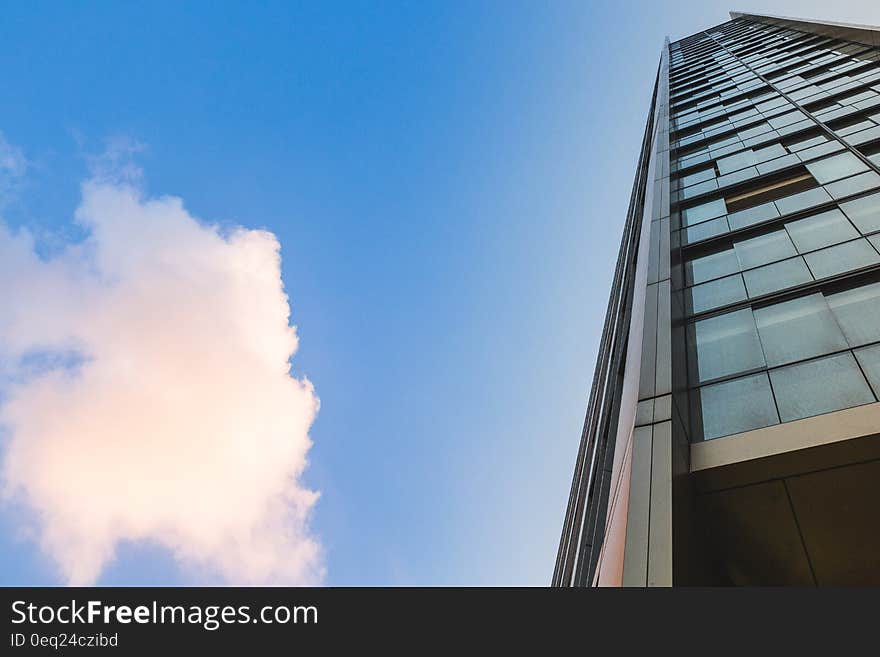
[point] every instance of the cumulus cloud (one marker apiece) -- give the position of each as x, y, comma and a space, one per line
147, 393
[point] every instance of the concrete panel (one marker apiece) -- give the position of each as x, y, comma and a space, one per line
660, 525
635, 562
663, 383
753, 538
649, 344
839, 518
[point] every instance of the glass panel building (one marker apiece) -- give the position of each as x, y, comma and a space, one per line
732, 434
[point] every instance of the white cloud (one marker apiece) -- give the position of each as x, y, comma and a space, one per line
147, 393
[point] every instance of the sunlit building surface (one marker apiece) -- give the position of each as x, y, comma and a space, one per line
733, 428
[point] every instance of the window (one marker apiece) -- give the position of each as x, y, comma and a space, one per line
736, 162
864, 212
716, 294
841, 258
738, 405
869, 360
699, 176
807, 142
753, 215
763, 249
699, 213
798, 329
770, 152
853, 185
819, 386
778, 276
821, 230
706, 230
787, 119
711, 266
724, 345
858, 313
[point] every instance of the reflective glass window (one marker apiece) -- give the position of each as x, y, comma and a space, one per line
819, 386
725, 345
836, 167
869, 359
806, 142
858, 313
843, 257
798, 329
778, 276
802, 200
864, 212
699, 176
821, 230
738, 405
760, 250
736, 162
699, 213
706, 230
769, 153
853, 185
752, 216
712, 266
715, 294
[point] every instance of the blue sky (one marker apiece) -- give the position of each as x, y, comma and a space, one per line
448, 183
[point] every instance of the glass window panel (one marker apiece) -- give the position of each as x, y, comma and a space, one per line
778, 276
864, 212
752, 216
718, 152
706, 230
807, 142
771, 104
699, 213
818, 151
736, 162
738, 405
711, 266
853, 185
786, 119
858, 313
737, 176
802, 200
869, 359
759, 129
843, 257
760, 250
865, 136
769, 153
836, 167
725, 345
821, 230
699, 188
798, 329
699, 176
778, 163
715, 294
819, 386
855, 127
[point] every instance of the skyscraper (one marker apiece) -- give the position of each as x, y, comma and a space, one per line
733, 426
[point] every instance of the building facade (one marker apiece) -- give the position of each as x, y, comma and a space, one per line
732, 434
